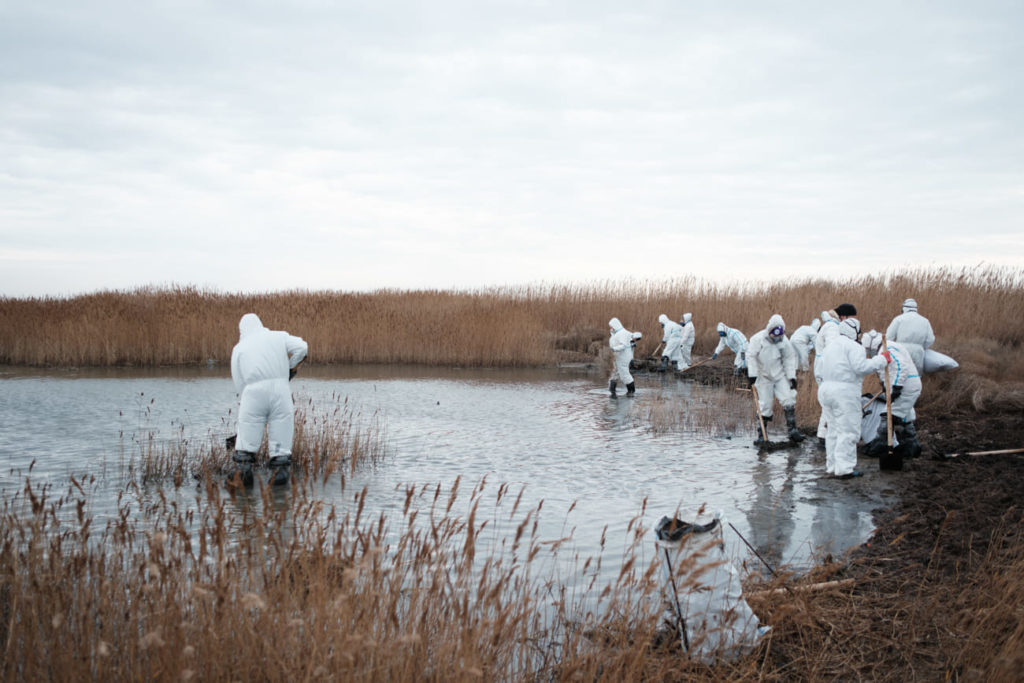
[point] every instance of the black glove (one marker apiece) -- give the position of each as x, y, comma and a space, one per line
896, 391
291, 373
751, 380
792, 384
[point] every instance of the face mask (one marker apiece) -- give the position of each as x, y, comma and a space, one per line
721, 334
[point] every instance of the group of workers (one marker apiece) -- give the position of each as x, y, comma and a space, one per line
842, 358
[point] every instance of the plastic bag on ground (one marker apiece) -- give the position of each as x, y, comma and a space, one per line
937, 362
703, 591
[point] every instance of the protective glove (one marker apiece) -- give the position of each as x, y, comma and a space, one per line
792, 384
896, 391
291, 373
751, 380
714, 356
887, 356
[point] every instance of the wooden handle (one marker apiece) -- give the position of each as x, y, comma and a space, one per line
888, 399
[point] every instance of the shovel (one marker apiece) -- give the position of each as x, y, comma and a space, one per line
891, 460
760, 420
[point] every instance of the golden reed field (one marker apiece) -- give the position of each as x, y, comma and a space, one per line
524, 326
283, 587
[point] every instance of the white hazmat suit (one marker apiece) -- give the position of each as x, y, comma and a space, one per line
842, 368
730, 337
772, 360
828, 331
913, 331
621, 344
686, 343
671, 338
803, 342
260, 363
902, 373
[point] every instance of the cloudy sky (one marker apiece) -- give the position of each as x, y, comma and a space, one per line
252, 145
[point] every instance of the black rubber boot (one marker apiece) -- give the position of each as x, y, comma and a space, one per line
664, 363
611, 388
795, 435
242, 473
280, 469
630, 388
910, 436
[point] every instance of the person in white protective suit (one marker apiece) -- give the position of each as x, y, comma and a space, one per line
829, 330
730, 337
686, 343
262, 362
906, 389
621, 343
913, 331
771, 368
803, 342
842, 367
672, 335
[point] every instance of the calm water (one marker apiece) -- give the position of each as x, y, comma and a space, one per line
553, 432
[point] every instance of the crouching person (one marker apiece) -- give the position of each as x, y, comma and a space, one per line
906, 389
771, 368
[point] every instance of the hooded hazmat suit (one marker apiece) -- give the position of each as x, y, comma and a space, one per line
621, 343
902, 373
842, 368
260, 363
773, 360
913, 331
686, 343
735, 340
671, 338
803, 342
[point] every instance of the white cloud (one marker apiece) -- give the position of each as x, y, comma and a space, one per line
397, 144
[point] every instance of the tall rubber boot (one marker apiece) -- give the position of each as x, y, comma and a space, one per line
630, 388
879, 445
795, 435
910, 436
611, 388
664, 363
242, 472
280, 469
761, 440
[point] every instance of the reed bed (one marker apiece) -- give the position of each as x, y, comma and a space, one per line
295, 589
330, 437
530, 325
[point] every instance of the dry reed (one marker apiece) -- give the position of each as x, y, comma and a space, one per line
501, 326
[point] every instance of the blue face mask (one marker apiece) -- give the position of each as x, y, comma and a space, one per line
721, 334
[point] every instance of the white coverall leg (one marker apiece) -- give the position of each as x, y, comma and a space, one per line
621, 371
842, 399
769, 390
672, 350
268, 402
903, 407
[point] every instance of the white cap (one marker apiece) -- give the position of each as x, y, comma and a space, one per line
872, 341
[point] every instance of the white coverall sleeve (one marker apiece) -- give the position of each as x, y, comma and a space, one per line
893, 328
297, 350
721, 345
753, 366
236, 372
789, 359
930, 339
860, 363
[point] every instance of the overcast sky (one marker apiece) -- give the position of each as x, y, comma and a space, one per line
249, 145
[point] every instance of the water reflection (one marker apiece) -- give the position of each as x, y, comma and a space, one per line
554, 434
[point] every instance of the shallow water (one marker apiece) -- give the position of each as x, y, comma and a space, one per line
553, 433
